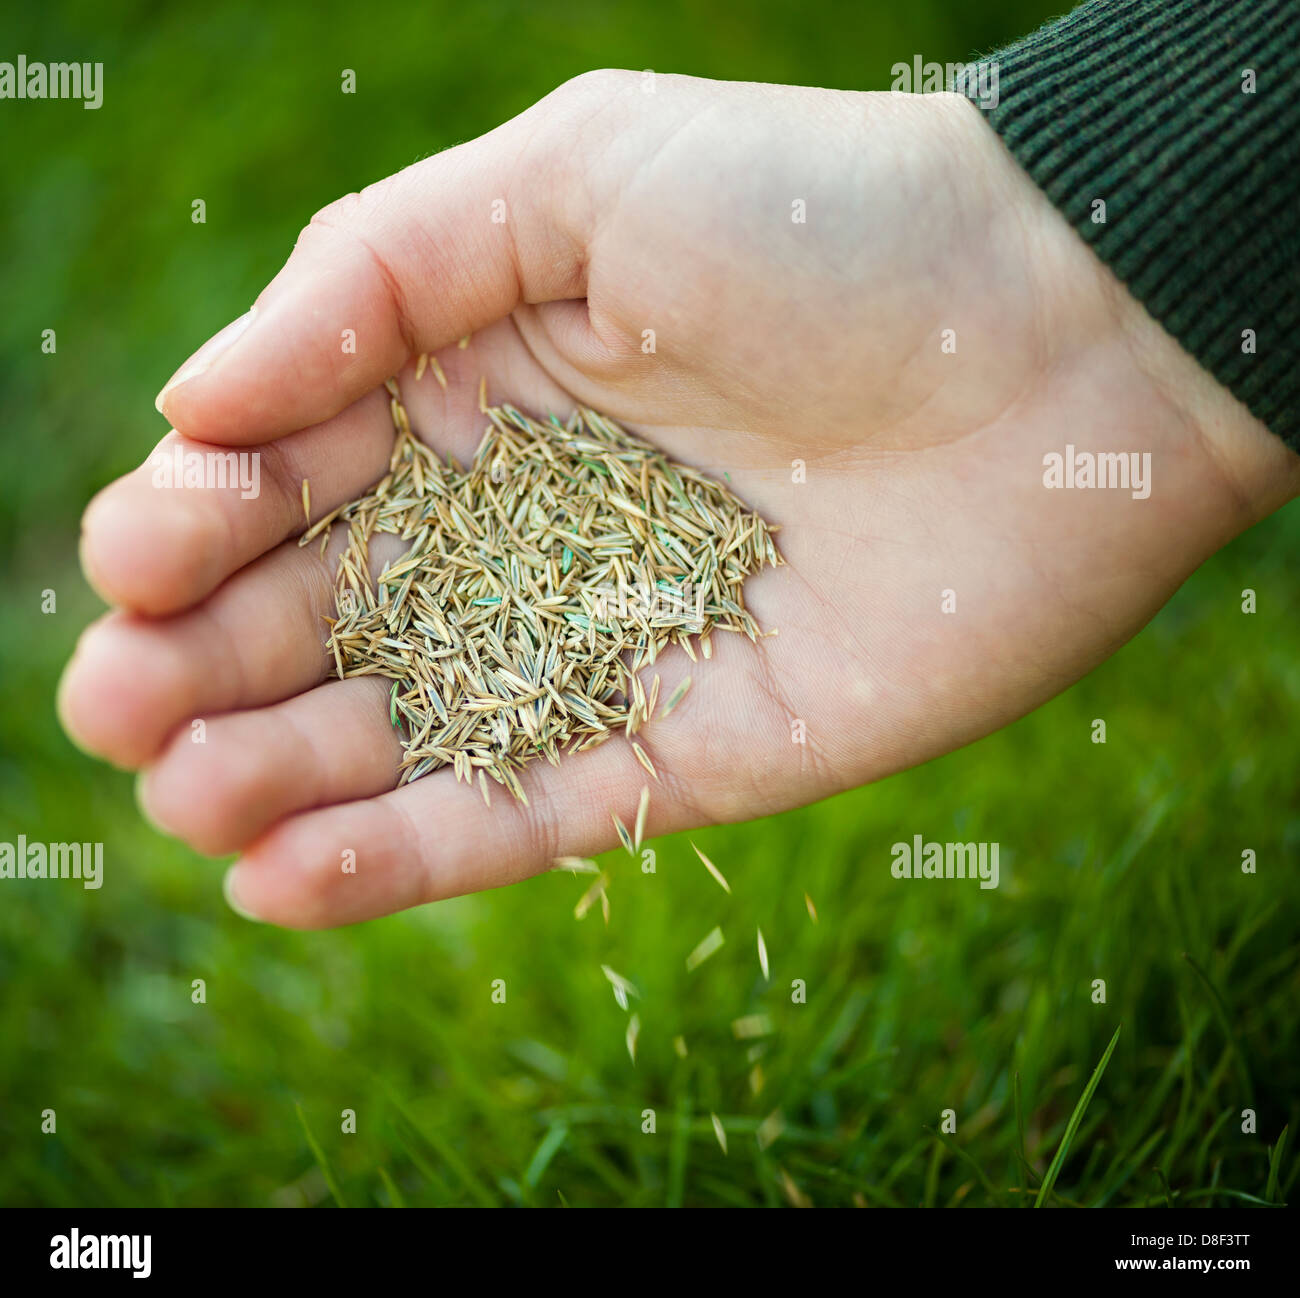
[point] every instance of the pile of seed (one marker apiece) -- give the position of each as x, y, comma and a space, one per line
537, 583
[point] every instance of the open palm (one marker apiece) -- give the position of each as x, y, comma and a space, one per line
854, 306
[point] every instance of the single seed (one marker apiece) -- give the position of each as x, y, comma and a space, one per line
710, 944
623, 836
718, 1131
713, 870
798, 1199
751, 1025
588, 898
675, 698
619, 982
638, 831
575, 865
770, 1129
644, 759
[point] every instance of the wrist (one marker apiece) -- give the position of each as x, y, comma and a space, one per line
1089, 321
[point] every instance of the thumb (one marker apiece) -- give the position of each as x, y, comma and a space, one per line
412, 263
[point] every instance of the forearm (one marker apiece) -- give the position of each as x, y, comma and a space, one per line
1167, 132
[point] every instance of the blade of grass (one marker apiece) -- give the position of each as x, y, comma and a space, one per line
319, 1154
1274, 1164
550, 1144
394, 1194
1225, 1022
677, 1153
457, 1165
989, 1188
1073, 1125
1022, 1162
422, 1164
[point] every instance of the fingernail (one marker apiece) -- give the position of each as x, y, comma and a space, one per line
203, 359
230, 888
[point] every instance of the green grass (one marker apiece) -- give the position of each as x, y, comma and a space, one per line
1120, 862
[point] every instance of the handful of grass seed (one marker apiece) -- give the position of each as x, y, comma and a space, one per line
537, 583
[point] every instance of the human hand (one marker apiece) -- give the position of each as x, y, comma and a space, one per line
775, 341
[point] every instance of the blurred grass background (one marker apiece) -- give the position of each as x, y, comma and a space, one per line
1116, 860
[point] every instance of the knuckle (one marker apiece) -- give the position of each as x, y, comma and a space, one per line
599, 84
336, 217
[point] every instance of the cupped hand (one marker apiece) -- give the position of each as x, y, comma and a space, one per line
854, 305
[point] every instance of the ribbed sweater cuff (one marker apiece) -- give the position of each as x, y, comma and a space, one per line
1146, 105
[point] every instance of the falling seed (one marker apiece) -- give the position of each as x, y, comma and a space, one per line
420, 366
756, 1079
438, 372
638, 832
619, 983
706, 948
482, 394
679, 1045
464, 342
306, 500
645, 761
575, 865
713, 870
751, 1025
623, 836
620, 996
812, 910
762, 957
792, 1192
604, 908
633, 1031
588, 898
676, 697
718, 1131
770, 1129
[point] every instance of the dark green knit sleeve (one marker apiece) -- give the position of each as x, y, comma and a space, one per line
1168, 134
